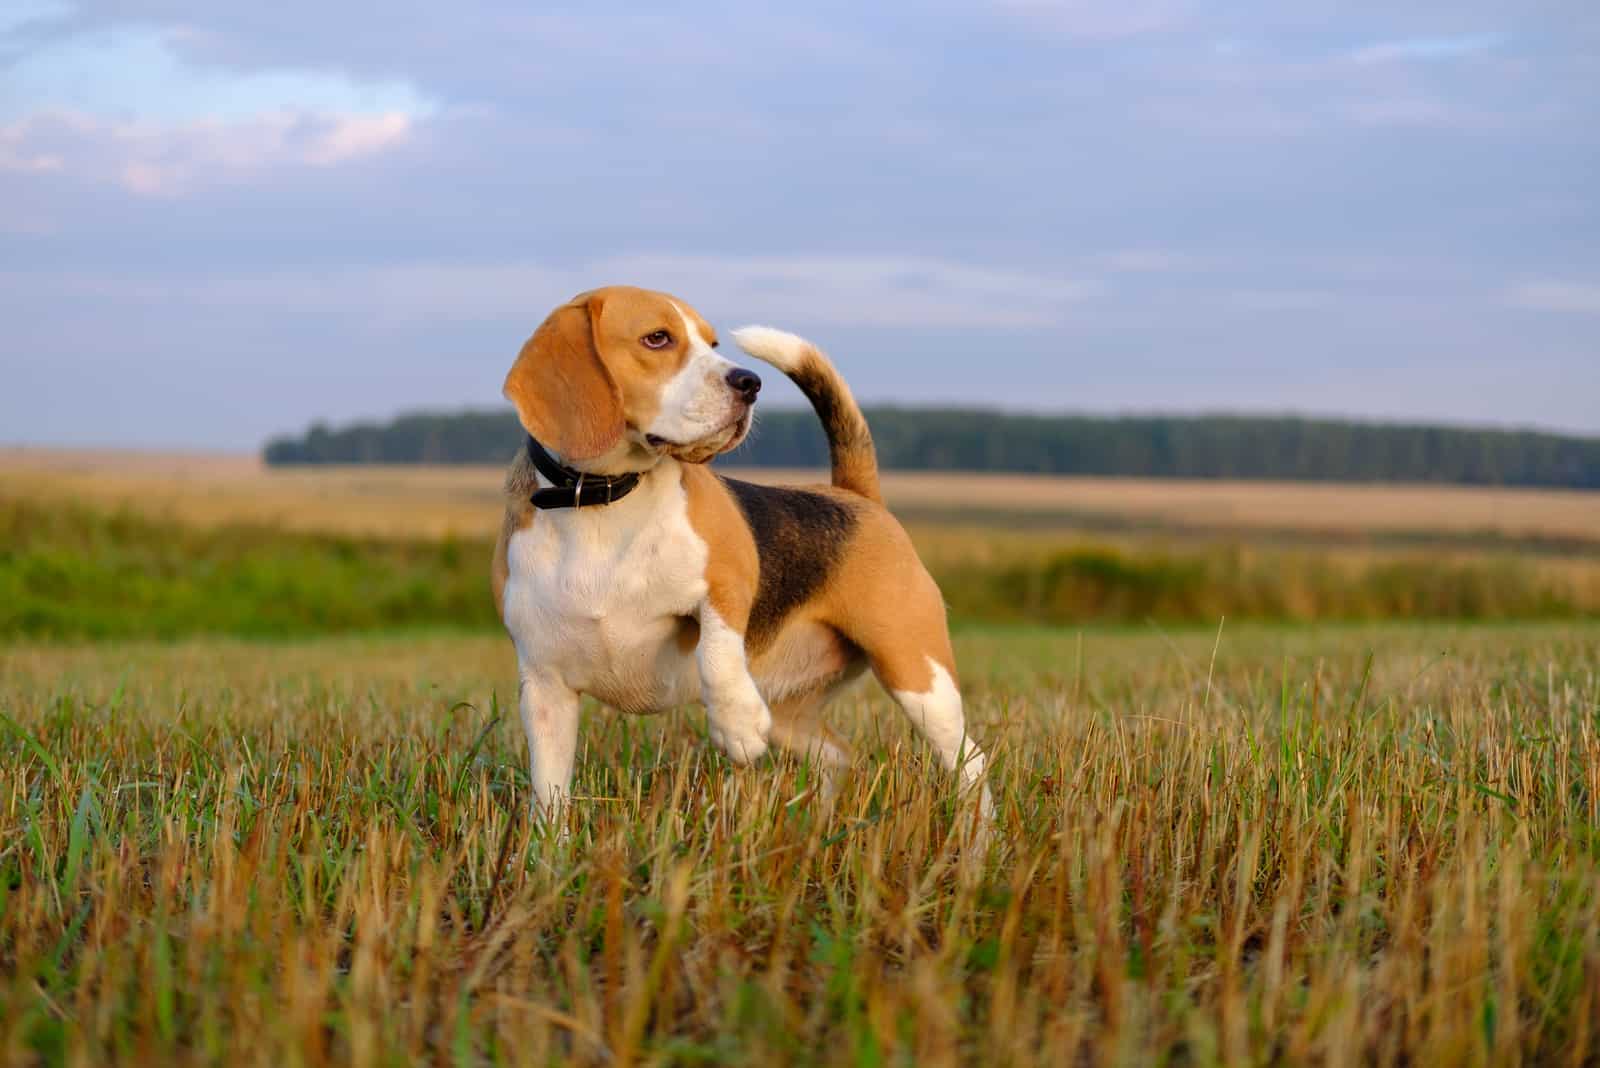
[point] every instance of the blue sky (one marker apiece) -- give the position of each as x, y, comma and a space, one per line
221, 221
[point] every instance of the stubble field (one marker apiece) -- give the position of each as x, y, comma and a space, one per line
1319, 846
1255, 843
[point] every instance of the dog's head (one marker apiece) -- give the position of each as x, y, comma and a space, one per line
623, 376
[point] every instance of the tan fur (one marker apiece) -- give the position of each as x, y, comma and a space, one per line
582, 380
855, 461
850, 450
884, 600
521, 481
880, 599
500, 570
875, 605
732, 566
627, 315
562, 390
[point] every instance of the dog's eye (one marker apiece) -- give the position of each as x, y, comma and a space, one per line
658, 339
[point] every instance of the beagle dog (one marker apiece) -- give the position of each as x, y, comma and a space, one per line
628, 570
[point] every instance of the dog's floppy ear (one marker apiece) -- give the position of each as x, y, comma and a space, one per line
562, 391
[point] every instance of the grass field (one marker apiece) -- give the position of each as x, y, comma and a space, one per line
465, 502
96, 546
272, 811
1299, 846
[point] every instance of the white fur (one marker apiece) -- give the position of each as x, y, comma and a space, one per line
738, 719
594, 601
593, 594
938, 716
781, 349
696, 402
549, 711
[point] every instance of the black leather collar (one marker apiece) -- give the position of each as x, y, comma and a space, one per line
575, 489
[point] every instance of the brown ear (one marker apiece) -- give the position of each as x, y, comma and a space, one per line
563, 393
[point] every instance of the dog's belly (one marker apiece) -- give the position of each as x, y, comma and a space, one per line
805, 657
644, 667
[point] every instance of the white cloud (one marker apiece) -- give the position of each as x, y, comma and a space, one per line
1551, 295
168, 159
127, 105
892, 291
804, 292
1410, 49
879, 291
145, 72
353, 136
18, 157
1403, 110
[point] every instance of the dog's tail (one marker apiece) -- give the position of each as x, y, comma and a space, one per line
855, 461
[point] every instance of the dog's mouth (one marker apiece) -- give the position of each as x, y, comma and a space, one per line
716, 443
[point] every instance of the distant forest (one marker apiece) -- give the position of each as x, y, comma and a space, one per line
1212, 446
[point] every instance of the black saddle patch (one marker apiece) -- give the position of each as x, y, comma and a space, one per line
800, 537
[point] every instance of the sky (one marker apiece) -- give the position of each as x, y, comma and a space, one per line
222, 221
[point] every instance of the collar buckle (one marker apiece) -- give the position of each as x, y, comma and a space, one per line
567, 486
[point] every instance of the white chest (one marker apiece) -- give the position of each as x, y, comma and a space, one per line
598, 597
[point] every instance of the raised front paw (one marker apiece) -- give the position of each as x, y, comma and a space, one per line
740, 729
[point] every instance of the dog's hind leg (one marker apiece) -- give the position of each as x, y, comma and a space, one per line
928, 695
909, 648
798, 728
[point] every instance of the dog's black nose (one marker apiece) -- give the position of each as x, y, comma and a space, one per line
745, 383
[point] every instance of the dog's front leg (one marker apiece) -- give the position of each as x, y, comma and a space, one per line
738, 718
550, 718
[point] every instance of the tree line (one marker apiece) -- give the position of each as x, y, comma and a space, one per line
1207, 446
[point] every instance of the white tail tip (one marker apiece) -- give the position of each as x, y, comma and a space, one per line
781, 349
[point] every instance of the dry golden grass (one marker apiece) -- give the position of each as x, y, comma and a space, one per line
1310, 510
213, 490
465, 501
1264, 850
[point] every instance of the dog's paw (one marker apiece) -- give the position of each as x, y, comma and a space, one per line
740, 729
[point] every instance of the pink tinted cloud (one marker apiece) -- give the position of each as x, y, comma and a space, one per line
150, 158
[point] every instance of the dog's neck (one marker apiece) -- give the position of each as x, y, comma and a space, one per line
565, 486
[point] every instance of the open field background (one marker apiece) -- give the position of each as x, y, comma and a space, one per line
100, 545
262, 791
1333, 846
464, 501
